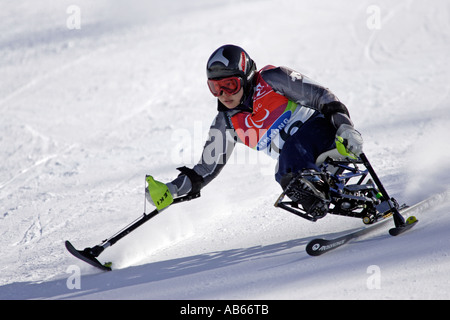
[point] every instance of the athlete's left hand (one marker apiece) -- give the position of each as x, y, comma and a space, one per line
351, 139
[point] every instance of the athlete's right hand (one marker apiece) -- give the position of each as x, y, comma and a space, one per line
158, 193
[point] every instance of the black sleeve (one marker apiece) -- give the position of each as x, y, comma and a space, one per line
337, 113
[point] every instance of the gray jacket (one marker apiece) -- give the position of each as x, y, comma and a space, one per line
299, 99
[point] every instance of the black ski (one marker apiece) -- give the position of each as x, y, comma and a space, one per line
87, 256
90, 255
319, 246
403, 228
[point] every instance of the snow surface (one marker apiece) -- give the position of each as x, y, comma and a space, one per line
87, 113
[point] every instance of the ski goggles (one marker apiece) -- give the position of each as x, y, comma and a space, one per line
230, 85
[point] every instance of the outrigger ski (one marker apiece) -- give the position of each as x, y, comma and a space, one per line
87, 256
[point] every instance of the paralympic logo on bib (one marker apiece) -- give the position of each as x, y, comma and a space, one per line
256, 123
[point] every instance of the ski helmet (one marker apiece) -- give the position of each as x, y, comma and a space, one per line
230, 60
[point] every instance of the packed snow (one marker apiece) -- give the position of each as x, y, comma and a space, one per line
94, 95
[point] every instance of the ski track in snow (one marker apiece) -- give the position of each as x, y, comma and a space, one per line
87, 113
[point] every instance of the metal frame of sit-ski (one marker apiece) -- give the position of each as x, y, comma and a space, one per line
366, 198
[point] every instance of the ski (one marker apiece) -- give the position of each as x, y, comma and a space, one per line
410, 222
90, 255
319, 246
87, 256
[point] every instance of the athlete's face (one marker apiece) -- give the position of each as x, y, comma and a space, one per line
231, 101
